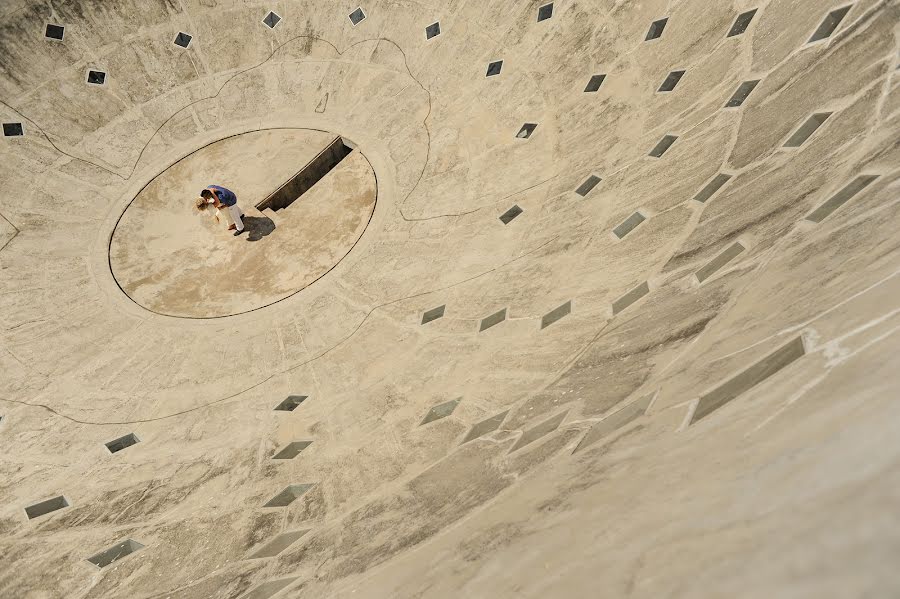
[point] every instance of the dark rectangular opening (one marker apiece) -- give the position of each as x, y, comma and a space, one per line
271, 20
510, 214
830, 24
663, 146
291, 450
710, 189
594, 84
556, 314
494, 68
288, 496
545, 12
440, 411
807, 129
656, 29
526, 130
589, 184
115, 553
122, 442
290, 403
96, 77
494, 319
742, 22
629, 225
615, 421
719, 261
743, 91
357, 16
12, 129
278, 544
183, 39
841, 198
55, 32
432, 30
484, 427
308, 176
671, 81
433, 314
45, 507
630, 297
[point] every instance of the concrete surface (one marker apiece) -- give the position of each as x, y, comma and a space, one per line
681, 446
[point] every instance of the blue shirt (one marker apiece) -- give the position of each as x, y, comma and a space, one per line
226, 196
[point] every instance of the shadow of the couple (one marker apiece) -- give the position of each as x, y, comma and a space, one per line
258, 227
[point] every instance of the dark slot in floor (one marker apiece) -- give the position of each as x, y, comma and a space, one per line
308, 176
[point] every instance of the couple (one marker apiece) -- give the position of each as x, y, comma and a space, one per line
225, 201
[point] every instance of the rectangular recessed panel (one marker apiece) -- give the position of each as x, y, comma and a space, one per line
510, 214
289, 495
545, 12
493, 319
671, 81
54, 32
12, 129
628, 225
656, 29
432, 30
357, 16
526, 130
115, 553
494, 68
271, 20
748, 379
314, 171
183, 39
594, 83
278, 544
433, 314
96, 77
486, 426
830, 23
663, 146
719, 261
710, 189
615, 421
630, 297
807, 129
45, 507
440, 411
555, 314
841, 198
290, 403
742, 22
291, 450
122, 442
589, 184
544, 428
268, 589
741, 94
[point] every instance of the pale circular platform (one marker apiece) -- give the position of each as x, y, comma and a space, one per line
175, 260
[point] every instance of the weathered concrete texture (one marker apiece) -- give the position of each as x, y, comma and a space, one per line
725, 365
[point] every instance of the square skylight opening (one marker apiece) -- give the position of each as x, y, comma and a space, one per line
510, 214
432, 30
589, 184
743, 92
433, 314
290, 403
830, 24
357, 16
43, 508
96, 77
494, 68
594, 84
54, 32
13, 130
115, 553
807, 129
545, 12
742, 22
671, 81
526, 130
656, 29
271, 20
663, 146
117, 445
183, 39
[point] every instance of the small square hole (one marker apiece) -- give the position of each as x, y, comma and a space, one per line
629, 225
290, 403
589, 184
656, 29
663, 146
183, 39
494, 68
96, 77
492, 320
121, 443
291, 450
12, 129
742, 22
54, 32
671, 81
830, 24
115, 553
289, 495
432, 30
433, 314
807, 129
510, 214
45, 507
357, 16
271, 20
545, 12
595, 83
743, 92
526, 130
440, 411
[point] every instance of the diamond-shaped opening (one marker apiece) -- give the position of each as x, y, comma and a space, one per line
742, 22
96, 77
54, 32
594, 84
183, 39
357, 16
433, 314
492, 320
278, 544
121, 443
526, 130
671, 81
289, 495
271, 20
631, 297
710, 189
719, 261
556, 314
840, 198
12, 129
663, 146
486, 426
656, 29
440, 411
290, 403
806, 130
494, 68
743, 92
545, 12
115, 553
45, 507
629, 225
432, 30
830, 24
510, 214
589, 184
291, 450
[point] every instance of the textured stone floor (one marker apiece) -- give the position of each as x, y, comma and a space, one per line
622, 322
